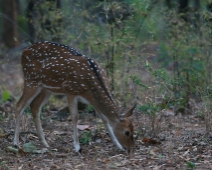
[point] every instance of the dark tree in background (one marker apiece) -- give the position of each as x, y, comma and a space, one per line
30, 15
188, 11
36, 10
168, 3
44, 20
10, 33
53, 26
183, 8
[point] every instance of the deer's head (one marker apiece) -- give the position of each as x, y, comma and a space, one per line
123, 130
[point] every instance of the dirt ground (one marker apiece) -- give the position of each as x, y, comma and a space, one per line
180, 141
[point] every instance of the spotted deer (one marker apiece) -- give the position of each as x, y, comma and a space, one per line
54, 68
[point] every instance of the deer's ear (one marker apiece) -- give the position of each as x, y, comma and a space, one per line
120, 112
130, 111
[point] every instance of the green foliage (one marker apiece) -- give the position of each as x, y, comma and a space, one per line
5, 96
149, 109
22, 23
190, 165
47, 23
29, 147
2, 163
180, 67
160, 156
28, 111
3, 166
41, 112
137, 81
89, 108
85, 137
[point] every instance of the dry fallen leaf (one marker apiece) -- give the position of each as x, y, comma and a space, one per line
148, 140
157, 167
152, 152
106, 161
84, 127
186, 153
21, 152
20, 167
60, 132
1, 131
54, 166
168, 112
2, 134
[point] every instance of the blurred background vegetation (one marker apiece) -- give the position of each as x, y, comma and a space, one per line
157, 53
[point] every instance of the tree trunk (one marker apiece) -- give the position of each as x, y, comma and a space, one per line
10, 33
168, 3
183, 9
29, 16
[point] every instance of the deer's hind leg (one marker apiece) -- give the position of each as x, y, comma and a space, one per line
27, 97
36, 106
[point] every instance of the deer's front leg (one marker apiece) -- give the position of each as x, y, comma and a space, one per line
110, 130
74, 112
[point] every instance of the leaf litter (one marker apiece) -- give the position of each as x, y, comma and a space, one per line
180, 142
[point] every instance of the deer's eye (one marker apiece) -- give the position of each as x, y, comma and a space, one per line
127, 133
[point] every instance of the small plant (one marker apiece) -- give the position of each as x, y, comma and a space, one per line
3, 166
149, 109
85, 137
160, 156
27, 111
1, 118
41, 112
5, 96
190, 165
89, 108
2, 163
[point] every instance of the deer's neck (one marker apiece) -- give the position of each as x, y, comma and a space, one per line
103, 99
106, 106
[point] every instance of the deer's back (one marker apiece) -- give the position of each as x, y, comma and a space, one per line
61, 69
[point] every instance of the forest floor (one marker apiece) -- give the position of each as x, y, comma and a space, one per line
179, 141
